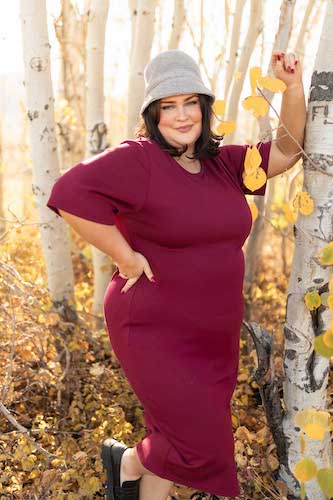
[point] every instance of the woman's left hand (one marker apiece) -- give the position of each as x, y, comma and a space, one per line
287, 67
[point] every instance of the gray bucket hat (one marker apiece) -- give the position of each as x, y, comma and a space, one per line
169, 73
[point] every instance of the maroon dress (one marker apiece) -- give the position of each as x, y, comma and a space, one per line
177, 340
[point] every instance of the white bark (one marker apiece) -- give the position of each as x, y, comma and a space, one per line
306, 372
96, 139
234, 44
54, 231
133, 8
304, 27
178, 24
255, 27
140, 56
2, 211
255, 243
72, 38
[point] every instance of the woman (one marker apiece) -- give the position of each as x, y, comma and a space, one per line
169, 208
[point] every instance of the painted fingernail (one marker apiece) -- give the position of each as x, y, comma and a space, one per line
296, 62
279, 58
289, 67
122, 291
152, 279
293, 71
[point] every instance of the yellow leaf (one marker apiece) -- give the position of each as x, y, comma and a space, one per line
87, 252
330, 301
89, 486
289, 213
313, 422
256, 180
41, 319
257, 104
324, 296
325, 255
325, 481
252, 160
321, 348
303, 444
29, 462
272, 84
234, 420
254, 211
314, 431
219, 107
226, 128
312, 300
255, 74
305, 470
328, 338
304, 203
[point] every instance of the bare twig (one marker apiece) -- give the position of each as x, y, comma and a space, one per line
24, 431
293, 138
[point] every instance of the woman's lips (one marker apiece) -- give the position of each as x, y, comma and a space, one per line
185, 129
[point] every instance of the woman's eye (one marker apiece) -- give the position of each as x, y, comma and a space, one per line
191, 102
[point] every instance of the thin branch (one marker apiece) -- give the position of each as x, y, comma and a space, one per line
24, 431
293, 138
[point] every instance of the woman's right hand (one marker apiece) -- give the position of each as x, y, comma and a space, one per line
133, 269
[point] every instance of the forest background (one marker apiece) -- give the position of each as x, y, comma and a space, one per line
61, 380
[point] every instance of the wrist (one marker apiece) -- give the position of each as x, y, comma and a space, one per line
296, 88
126, 258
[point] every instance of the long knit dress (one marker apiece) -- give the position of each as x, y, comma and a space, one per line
177, 340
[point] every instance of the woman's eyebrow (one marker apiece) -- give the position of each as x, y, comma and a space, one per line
187, 99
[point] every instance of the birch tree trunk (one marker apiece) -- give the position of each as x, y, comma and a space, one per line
255, 242
140, 56
178, 24
234, 44
71, 33
133, 8
96, 138
54, 230
255, 27
306, 372
2, 208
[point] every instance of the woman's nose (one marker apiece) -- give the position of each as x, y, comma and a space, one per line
182, 112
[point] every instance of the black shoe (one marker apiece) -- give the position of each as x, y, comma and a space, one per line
112, 451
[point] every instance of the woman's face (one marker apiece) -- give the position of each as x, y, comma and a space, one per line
179, 111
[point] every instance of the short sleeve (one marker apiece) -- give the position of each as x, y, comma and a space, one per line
236, 156
110, 183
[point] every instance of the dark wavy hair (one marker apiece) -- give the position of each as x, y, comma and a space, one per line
206, 146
